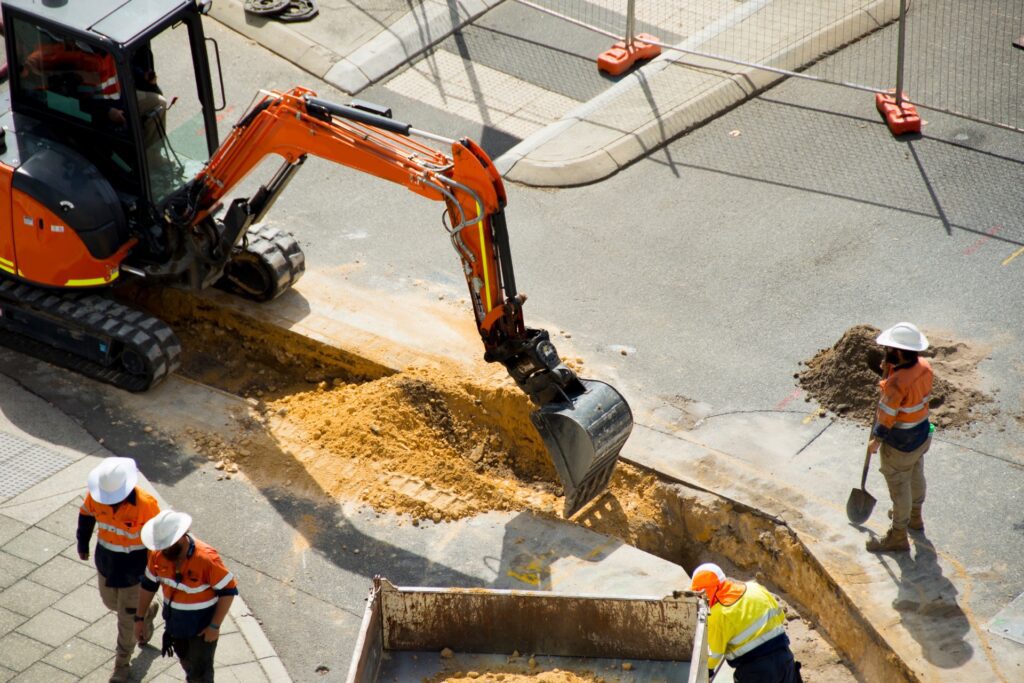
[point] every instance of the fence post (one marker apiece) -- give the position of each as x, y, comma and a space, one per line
630, 22
900, 115
900, 49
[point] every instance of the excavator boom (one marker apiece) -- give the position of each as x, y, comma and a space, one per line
583, 423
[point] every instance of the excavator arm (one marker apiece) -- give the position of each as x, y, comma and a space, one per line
583, 423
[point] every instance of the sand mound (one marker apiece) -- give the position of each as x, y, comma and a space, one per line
418, 442
844, 378
554, 676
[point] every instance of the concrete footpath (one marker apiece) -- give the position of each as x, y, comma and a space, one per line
354, 44
53, 625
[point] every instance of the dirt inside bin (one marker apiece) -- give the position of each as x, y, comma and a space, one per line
431, 443
553, 676
844, 378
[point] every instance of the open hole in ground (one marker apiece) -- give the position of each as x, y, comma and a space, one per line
435, 443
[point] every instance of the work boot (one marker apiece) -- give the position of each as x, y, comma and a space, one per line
916, 520
147, 631
893, 541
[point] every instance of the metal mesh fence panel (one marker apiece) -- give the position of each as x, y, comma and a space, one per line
958, 53
785, 35
960, 58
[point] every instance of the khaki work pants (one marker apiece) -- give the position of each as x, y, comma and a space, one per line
904, 475
124, 602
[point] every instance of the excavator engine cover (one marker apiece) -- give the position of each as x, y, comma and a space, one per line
584, 435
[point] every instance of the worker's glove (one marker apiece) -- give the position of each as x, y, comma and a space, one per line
167, 647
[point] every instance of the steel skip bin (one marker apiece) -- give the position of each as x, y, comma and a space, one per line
405, 630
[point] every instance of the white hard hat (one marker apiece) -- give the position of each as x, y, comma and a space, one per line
707, 575
165, 529
903, 336
112, 480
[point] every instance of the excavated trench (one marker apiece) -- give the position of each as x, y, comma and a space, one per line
433, 443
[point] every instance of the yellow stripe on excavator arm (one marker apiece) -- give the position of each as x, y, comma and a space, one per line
483, 256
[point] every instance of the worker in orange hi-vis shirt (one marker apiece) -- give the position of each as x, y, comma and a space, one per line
118, 509
197, 592
902, 431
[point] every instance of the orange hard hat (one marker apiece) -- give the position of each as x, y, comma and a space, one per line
707, 577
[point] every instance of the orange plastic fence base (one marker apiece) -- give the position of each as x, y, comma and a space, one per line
619, 58
902, 118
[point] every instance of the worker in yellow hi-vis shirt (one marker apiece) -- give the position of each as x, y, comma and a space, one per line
746, 626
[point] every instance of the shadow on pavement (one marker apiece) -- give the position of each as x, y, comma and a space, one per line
928, 607
532, 545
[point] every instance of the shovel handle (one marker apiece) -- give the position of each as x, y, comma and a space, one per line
867, 464
867, 454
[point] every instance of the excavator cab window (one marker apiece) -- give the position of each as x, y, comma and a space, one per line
138, 112
72, 87
174, 133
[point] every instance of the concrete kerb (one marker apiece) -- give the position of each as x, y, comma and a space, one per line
412, 35
426, 25
655, 104
39, 501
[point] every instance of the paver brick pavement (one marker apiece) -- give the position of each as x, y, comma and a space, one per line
12, 569
77, 656
62, 574
35, 545
28, 598
52, 627
53, 624
9, 621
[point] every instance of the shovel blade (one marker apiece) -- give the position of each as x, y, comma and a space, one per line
583, 436
859, 506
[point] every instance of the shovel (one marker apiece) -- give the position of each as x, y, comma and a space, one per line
861, 503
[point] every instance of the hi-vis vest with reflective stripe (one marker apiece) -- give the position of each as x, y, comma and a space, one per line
201, 576
97, 70
119, 530
906, 393
736, 629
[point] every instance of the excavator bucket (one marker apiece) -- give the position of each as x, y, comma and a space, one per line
583, 435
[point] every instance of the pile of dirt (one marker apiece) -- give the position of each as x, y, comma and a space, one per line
421, 442
519, 669
844, 378
553, 676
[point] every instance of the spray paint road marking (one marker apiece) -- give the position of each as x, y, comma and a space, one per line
1012, 256
992, 232
785, 402
810, 416
534, 571
228, 111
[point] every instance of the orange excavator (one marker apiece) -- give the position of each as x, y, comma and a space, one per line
109, 178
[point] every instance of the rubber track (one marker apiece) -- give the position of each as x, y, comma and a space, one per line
149, 337
281, 252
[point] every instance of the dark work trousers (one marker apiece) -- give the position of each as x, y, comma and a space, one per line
774, 667
196, 657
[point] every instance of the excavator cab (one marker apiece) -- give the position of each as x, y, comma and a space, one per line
107, 79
